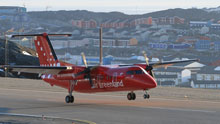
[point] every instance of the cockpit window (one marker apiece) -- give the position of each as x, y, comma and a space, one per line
130, 72
135, 72
138, 72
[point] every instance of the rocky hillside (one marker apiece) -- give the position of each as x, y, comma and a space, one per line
18, 55
188, 14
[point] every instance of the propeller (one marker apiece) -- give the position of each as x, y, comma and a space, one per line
148, 67
87, 70
84, 59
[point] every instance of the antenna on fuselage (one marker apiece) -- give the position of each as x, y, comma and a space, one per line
100, 46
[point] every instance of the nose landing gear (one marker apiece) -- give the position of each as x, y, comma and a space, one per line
146, 95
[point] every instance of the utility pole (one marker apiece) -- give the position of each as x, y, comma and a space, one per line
100, 46
6, 55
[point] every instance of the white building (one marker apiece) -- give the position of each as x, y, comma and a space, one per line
207, 77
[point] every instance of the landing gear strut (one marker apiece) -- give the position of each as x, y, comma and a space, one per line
70, 98
146, 95
131, 96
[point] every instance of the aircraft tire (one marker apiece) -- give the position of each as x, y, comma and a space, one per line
71, 99
129, 96
133, 95
146, 96
67, 99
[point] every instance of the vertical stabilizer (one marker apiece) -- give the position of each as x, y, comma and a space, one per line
45, 51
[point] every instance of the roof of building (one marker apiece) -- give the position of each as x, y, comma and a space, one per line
169, 69
206, 82
210, 70
165, 76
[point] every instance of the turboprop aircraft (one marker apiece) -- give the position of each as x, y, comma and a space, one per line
89, 79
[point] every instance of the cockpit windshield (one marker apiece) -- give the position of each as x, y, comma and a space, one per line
138, 71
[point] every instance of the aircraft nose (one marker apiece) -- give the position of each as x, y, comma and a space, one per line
153, 82
150, 81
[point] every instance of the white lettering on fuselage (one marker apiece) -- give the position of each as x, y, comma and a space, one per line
112, 84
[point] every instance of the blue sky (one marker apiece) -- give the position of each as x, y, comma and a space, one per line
125, 6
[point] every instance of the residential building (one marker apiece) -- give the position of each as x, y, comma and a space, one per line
58, 44
168, 20
139, 21
169, 46
112, 42
200, 24
217, 45
84, 24
203, 45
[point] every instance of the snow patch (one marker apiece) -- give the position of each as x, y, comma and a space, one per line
26, 53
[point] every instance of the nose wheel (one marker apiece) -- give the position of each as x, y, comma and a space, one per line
131, 96
146, 95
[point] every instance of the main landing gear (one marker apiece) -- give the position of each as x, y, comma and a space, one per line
131, 96
70, 98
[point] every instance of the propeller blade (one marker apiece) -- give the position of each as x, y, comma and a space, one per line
84, 59
90, 80
87, 72
146, 58
148, 67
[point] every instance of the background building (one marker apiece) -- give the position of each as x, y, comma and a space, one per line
13, 13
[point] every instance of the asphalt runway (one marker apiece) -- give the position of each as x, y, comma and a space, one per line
108, 108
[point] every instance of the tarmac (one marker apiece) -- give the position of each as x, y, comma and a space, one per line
33, 101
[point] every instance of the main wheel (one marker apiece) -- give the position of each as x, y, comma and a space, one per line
71, 99
133, 96
68, 99
129, 96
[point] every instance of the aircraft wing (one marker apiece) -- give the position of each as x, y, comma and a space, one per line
169, 63
161, 63
38, 69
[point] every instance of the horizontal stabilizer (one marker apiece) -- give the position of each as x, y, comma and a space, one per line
44, 34
38, 69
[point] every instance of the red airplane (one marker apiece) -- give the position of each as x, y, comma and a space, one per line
90, 79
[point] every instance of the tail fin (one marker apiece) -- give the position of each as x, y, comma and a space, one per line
45, 51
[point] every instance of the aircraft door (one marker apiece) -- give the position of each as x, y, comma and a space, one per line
99, 78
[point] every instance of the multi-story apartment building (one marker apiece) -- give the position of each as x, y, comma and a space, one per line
112, 42
84, 24
168, 20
